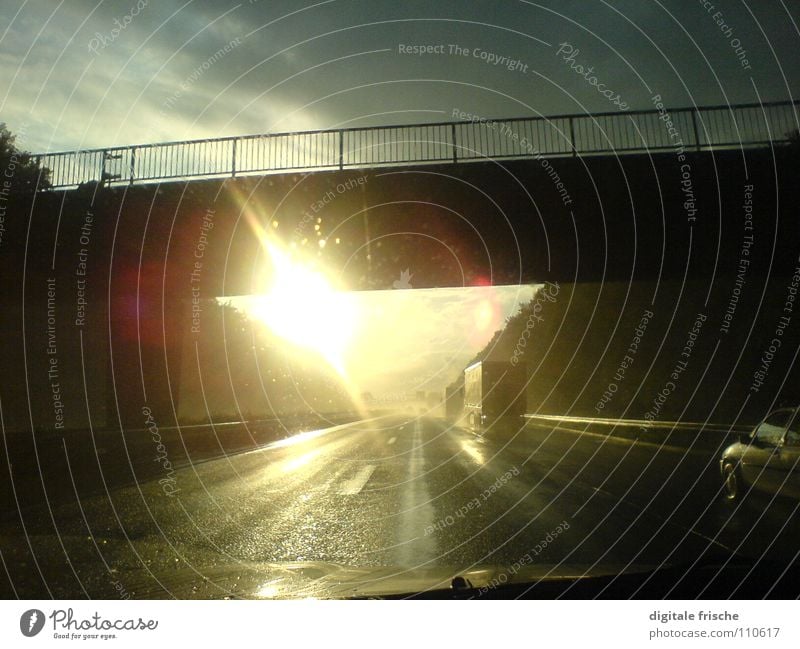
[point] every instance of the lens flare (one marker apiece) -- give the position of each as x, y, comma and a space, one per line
301, 305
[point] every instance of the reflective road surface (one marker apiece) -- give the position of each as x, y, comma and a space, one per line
384, 498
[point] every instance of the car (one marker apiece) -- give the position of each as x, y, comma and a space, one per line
766, 460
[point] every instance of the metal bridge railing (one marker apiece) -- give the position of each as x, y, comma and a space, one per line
746, 125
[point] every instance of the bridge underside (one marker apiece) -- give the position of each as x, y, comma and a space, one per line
575, 219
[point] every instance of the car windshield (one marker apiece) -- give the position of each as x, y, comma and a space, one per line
363, 298
773, 428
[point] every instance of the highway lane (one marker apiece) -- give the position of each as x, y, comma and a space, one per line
399, 492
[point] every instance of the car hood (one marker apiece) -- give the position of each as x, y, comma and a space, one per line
322, 580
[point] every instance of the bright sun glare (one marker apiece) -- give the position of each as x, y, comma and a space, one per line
302, 306
376, 341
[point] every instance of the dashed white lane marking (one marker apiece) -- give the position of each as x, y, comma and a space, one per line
392, 441
357, 482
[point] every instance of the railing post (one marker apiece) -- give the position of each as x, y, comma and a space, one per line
453, 135
38, 160
103, 159
233, 159
133, 164
572, 136
696, 131
341, 150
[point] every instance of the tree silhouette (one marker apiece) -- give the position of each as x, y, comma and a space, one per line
19, 170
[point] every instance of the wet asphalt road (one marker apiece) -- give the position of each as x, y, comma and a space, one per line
400, 492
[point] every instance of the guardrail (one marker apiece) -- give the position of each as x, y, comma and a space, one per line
693, 129
700, 436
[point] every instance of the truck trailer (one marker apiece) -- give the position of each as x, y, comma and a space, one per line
494, 391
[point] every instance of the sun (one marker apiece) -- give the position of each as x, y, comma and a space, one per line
301, 305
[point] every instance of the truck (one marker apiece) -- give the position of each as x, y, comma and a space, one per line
494, 391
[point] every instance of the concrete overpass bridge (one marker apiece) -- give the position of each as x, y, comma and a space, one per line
649, 208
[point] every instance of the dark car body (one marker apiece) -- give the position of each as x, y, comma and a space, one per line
767, 459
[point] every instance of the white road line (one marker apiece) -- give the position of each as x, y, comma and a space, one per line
637, 423
392, 441
417, 513
357, 482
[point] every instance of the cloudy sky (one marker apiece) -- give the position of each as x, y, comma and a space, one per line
90, 73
